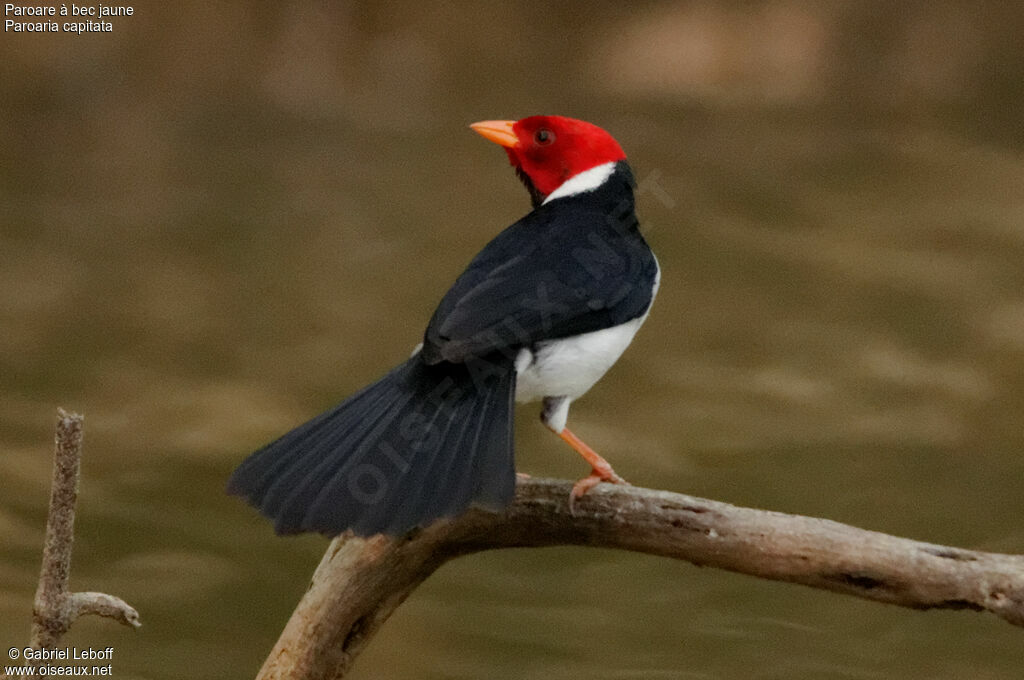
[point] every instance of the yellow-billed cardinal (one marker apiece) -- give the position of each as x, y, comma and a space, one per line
539, 314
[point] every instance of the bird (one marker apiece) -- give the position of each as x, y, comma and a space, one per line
539, 314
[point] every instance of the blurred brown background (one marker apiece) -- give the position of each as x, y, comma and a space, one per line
223, 217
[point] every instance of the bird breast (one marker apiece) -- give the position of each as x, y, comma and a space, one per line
568, 367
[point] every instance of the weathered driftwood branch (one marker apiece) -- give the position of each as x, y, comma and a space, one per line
56, 608
361, 581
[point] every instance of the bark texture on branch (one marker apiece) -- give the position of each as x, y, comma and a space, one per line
360, 582
56, 607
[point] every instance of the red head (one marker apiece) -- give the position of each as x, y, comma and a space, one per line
551, 149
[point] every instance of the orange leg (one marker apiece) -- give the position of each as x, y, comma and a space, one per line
602, 471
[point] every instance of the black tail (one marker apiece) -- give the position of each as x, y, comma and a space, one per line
421, 443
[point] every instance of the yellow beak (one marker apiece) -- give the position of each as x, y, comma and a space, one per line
498, 131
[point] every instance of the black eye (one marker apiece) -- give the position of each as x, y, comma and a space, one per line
544, 137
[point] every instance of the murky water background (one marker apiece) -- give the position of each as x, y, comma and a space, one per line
223, 217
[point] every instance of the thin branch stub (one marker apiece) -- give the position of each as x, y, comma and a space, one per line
56, 607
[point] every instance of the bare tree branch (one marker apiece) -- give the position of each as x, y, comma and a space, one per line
101, 604
360, 582
56, 608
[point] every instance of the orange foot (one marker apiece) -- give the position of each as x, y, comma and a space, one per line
601, 470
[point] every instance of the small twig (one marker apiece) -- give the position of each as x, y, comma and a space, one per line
101, 604
360, 582
56, 608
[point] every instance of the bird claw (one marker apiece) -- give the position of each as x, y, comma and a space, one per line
596, 476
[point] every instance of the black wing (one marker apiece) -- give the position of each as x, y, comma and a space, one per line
575, 265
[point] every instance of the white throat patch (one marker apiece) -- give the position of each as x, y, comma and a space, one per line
588, 180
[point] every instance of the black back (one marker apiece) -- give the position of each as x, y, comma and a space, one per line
574, 265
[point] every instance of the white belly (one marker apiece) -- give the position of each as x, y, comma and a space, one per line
570, 366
